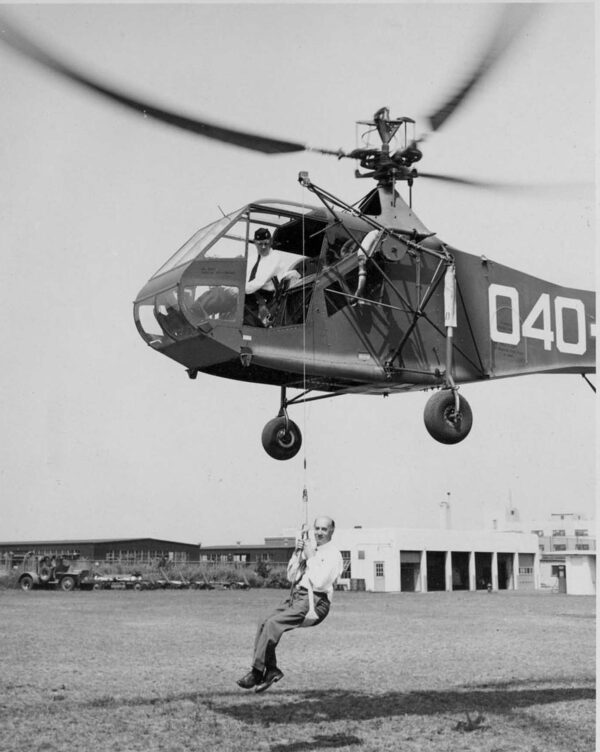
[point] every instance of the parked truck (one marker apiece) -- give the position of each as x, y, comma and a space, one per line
51, 572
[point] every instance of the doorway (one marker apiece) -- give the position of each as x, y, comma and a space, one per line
379, 578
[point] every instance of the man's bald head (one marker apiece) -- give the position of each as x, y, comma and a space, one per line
324, 527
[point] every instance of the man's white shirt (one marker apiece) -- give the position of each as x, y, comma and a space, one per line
322, 569
272, 265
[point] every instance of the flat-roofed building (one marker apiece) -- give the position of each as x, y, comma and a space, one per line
126, 550
422, 560
274, 552
567, 547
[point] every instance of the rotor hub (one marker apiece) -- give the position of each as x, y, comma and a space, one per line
382, 165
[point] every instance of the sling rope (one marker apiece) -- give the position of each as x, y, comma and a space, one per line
304, 415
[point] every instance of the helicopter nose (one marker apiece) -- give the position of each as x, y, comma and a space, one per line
202, 352
197, 344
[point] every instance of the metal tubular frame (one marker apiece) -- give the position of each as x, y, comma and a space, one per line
415, 249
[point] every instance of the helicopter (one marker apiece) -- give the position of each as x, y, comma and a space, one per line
371, 302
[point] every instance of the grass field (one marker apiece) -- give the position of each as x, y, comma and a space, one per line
96, 671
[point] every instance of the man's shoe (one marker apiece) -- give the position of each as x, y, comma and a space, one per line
251, 679
273, 675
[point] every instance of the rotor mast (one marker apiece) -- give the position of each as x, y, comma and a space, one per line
382, 165
386, 128
387, 168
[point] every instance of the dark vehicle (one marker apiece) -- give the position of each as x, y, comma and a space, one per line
51, 572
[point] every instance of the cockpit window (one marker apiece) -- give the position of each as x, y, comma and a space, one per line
197, 243
210, 302
295, 229
161, 321
148, 325
169, 316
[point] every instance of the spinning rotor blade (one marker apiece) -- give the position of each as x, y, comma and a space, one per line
511, 25
462, 181
256, 142
541, 189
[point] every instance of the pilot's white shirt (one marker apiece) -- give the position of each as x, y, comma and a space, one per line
322, 569
272, 265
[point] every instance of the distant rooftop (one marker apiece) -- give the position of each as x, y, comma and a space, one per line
80, 541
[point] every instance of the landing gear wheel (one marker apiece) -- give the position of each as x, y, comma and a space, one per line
443, 422
281, 438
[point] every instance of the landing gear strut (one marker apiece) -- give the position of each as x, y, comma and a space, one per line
281, 437
448, 417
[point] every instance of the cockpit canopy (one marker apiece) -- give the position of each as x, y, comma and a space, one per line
203, 282
296, 230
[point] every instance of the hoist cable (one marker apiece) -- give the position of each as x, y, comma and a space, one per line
304, 409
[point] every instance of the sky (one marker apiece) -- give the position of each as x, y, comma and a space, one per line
104, 437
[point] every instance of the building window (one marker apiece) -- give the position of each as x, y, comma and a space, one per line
539, 533
581, 533
558, 533
559, 547
347, 570
525, 570
378, 569
542, 547
582, 547
361, 554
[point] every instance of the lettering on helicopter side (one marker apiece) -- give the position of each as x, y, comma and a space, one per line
509, 324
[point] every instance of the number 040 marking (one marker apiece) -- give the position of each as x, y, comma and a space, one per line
538, 322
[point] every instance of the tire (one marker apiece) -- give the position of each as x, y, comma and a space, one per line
441, 421
279, 443
26, 582
68, 583
45, 570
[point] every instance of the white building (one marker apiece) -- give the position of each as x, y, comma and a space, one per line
421, 560
567, 547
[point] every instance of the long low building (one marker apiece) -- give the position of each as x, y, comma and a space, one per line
127, 550
422, 560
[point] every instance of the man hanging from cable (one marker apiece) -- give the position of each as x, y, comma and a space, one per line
313, 570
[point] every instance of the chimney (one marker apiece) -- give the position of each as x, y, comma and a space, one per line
445, 521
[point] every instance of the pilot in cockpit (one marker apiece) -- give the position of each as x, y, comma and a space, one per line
266, 269
267, 272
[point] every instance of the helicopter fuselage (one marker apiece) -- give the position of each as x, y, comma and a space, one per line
393, 336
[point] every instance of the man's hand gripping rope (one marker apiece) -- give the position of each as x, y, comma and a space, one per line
305, 549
